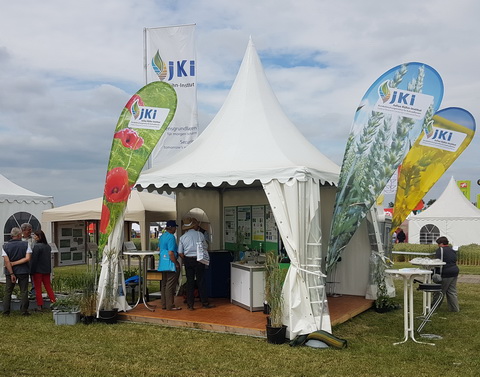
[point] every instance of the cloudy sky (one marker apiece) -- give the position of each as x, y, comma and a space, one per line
68, 68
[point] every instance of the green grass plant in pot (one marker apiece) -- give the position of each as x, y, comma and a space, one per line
88, 300
384, 303
274, 278
108, 313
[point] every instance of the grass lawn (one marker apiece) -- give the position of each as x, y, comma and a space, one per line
35, 346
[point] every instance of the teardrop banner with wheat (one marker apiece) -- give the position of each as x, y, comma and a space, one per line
391, 115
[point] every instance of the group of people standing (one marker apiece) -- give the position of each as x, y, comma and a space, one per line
26, 255
185, 251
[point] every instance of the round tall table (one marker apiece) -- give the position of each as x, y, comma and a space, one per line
142, 281
408, 274
427, 264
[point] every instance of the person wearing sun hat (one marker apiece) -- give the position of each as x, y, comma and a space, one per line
187, 249
167, 244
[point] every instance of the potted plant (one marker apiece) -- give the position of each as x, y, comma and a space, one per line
274, 278
384, 303
88, 299
107, 312
66, 309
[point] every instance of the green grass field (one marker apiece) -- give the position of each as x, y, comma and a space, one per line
35, 346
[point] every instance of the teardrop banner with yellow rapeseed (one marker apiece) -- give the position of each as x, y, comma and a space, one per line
443, 139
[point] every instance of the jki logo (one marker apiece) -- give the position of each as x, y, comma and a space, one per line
442, 135
146, 113
179, 68
403, 98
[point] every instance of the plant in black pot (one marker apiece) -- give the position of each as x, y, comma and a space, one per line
274, 277
88, 299
108, 312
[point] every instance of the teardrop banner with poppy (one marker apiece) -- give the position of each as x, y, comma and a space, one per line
443, 139
142, 122
390, 116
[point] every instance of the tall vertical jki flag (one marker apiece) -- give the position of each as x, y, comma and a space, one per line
142, 122
389, 118
442, 140
170, 57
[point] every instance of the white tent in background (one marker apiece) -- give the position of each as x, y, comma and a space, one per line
142, 208
19, 205
452, 215
252, 154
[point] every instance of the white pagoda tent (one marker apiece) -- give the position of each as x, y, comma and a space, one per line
452, 215
19, 205
142, 208
252, 154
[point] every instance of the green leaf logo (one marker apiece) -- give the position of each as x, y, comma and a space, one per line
135, 109
384, 91
159, 66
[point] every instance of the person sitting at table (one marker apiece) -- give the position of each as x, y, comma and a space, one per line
167, 245
449, 273
187, 248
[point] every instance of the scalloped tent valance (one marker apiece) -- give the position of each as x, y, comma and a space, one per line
13, 193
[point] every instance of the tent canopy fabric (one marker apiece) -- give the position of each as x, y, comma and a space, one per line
249, 139
11, 192
451, 204
137, 205
142, 207
452, 214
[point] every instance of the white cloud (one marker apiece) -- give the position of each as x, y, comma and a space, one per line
67, 69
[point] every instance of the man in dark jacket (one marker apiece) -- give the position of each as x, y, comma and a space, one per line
401, 236
449, 272
16, 256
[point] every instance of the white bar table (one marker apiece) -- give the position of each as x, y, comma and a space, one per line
142, 281
427, 263
408, 274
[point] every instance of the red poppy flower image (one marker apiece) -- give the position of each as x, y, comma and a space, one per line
129, 138
116, 185
132, 100
105, 219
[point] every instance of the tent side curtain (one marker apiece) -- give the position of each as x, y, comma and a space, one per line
295, 206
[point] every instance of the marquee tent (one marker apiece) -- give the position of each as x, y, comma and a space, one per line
142, 208
452, 215
19, 205
252, 154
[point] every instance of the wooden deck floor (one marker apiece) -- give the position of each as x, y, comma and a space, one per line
229, 318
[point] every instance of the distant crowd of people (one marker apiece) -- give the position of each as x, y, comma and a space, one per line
27, 256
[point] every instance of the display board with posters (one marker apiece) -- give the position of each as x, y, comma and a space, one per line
250, 227
71, 243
